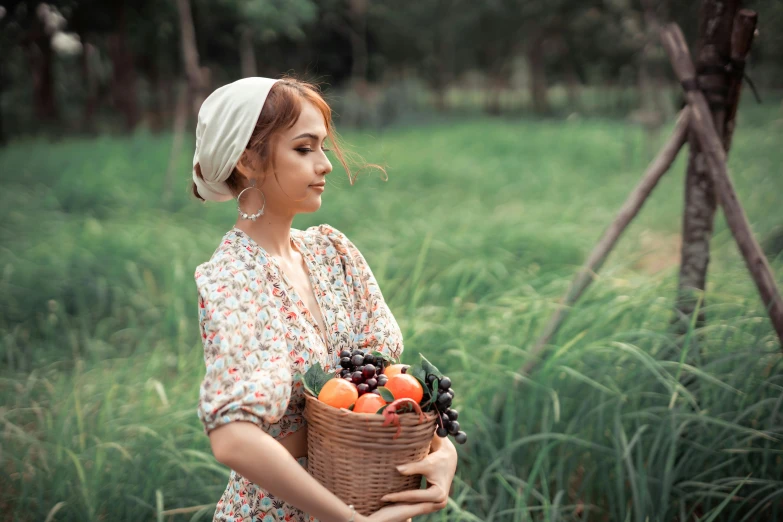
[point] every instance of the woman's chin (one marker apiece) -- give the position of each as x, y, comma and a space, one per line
312, 206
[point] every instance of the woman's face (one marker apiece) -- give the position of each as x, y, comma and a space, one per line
301, 166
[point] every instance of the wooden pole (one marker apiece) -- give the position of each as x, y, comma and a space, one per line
712, 147
627, 212
741, 39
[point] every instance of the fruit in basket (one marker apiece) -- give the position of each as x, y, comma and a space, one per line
338, 393
369, 403
395, 369
404, 386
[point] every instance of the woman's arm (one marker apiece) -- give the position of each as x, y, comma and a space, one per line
254, 454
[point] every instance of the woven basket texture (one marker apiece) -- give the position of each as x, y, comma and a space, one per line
355, 457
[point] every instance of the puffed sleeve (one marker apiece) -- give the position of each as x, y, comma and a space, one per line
374, 326
247, 373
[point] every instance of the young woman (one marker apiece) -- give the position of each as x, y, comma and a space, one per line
273, 300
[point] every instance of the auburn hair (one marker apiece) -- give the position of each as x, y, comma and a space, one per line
281, 111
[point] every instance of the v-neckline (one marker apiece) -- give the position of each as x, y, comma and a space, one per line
309, 269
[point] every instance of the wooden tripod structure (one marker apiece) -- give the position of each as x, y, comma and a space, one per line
697, 120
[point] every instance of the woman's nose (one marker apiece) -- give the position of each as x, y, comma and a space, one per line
325, 166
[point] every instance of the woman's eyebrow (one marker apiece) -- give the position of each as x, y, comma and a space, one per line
307, 135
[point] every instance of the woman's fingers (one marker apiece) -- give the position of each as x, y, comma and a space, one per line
431, 494
415, 468
397, 512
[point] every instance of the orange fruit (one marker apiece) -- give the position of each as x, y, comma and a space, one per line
338, 393
369, 403
404, 386
395, 369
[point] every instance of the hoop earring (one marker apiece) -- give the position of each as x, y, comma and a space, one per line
258, 214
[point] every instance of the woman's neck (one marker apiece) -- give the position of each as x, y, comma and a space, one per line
272, 233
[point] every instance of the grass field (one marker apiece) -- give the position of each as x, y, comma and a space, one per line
474, 237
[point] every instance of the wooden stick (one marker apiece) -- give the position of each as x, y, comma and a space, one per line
627, 212
712, 148
741, 39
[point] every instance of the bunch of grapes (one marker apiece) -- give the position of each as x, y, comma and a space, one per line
364, 370
447, 416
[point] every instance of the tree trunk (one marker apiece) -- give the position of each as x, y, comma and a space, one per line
91, 87
573, 88
180, 121
123, 70
247, 53
196, 81
157, 118
536, 65
3, 138
700, 199
41, 57
358, 13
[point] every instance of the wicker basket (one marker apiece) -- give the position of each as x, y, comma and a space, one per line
355, 457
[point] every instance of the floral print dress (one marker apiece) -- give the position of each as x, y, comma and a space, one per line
259, 339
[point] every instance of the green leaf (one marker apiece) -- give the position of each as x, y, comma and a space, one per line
416, 370
386, 394
388, 361
380, 410
315, 378
429, 367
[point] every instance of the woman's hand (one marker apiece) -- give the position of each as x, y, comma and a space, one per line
438, 468
402, 512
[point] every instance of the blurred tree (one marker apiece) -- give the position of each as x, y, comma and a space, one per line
236, 28
33, 25
197, 81
432, 34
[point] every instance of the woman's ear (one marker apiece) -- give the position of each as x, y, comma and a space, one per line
248, 165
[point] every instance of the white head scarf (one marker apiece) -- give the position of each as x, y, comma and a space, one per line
226, 121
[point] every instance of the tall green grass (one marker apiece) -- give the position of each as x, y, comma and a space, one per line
474, 238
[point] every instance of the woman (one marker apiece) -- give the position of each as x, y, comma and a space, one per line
274, 300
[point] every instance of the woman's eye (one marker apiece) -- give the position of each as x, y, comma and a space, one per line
304, 150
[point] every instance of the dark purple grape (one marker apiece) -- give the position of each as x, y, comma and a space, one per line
368, 371
357, 352
375, 391
372, 383
444, 419
404, 369
363, 388
344, 354
382, 380
453, 414
357, 359
442, 432
461, 437
345, 362
369, 359
359, 368
344, 372
431, 378
356, 377
450, 391
453, 427
348, 377
443, 401
444, 384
